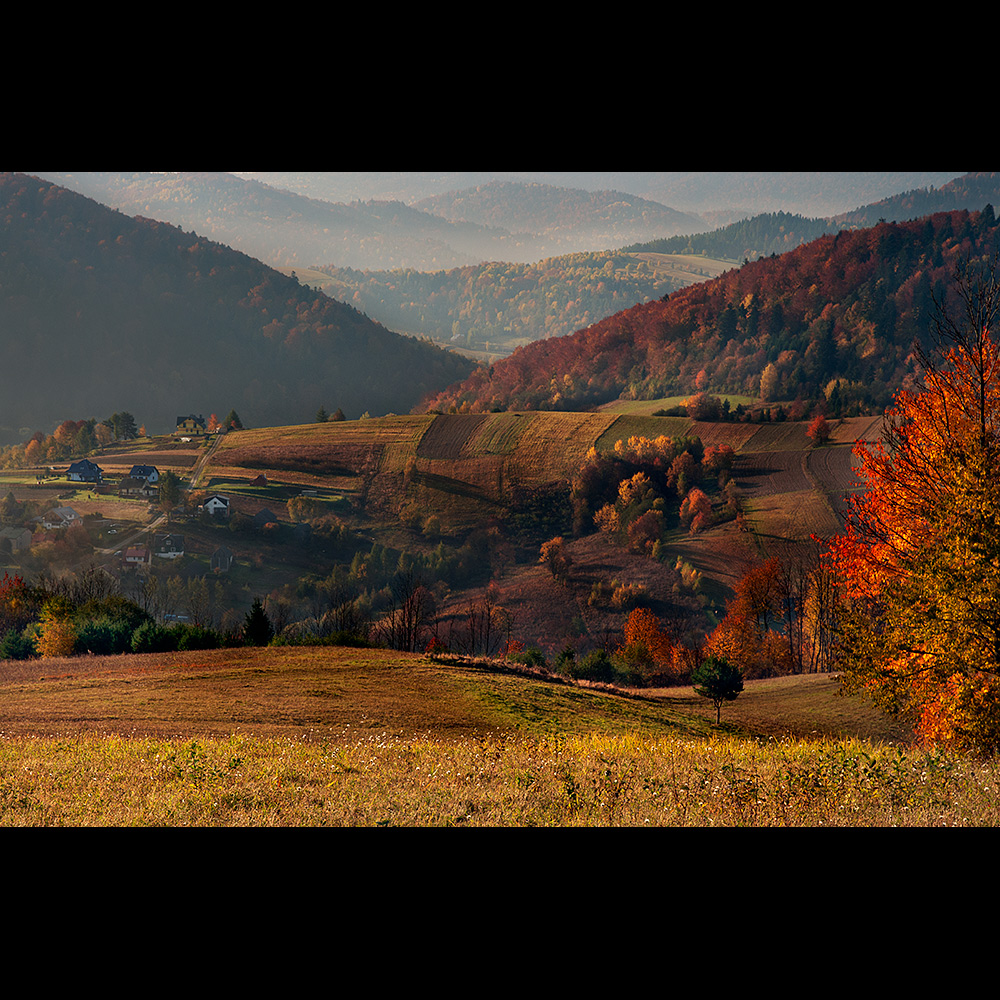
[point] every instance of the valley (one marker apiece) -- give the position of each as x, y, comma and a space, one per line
545, 507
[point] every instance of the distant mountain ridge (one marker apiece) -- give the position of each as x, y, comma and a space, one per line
101, 312
284, 229
581, 220
749, 192
778, 232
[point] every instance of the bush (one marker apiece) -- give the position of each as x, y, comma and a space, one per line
533, 657
597, 665
16, 646
103, 636
194, 637
152, 638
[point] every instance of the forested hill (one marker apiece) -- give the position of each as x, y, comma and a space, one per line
778, 232
842, 311
102, 312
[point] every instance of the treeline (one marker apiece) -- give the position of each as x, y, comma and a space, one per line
70, 439
88, 613
112, 311
503, 304
840, 312
748, 239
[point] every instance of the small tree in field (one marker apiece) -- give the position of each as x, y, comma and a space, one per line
819, 430
718, 680
554, 555
257, 630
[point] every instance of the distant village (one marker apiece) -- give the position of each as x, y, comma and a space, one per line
141, 483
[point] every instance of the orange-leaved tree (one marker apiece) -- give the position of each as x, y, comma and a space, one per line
918, 563
648, 650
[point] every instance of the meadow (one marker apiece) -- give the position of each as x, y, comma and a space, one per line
294, 736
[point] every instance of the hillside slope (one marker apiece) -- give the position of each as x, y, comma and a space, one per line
103, 313
842, 311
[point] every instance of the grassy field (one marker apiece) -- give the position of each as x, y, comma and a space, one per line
313, 737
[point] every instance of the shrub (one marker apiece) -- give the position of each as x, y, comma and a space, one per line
152, 638
597, 665
16, 646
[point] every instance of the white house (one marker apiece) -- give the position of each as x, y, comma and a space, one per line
170, 546
216, 505
148, 472
85, 471
58, 517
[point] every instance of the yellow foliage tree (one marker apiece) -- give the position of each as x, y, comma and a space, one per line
919, 560
56, 633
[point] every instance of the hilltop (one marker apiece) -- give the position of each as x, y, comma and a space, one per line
117, 313
576, 219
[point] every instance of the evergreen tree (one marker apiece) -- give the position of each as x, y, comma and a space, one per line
258, 630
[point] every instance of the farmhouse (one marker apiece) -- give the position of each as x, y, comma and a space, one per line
135, 557
131, 487
148, 472
170, 546
263, 517
217, 505
190, 425
58, 517
85, 471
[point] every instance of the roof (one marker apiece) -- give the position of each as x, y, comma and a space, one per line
84, 465
142, 470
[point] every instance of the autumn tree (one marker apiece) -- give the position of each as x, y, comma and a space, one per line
919, 559
553, 554
819, 430
645, 647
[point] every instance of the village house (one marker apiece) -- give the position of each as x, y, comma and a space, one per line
85, 471
263, 517
142, 488
58, 517
19, 538
148, 472
135, 557
191, 425
170, 546
217, 505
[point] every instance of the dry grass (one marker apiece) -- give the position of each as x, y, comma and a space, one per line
311, 737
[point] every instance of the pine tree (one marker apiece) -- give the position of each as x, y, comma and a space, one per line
258, 630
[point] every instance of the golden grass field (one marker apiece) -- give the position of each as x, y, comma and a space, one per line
336, 737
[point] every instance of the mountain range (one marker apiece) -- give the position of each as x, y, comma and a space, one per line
101, 312
115, 310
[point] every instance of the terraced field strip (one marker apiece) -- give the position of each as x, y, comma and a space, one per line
784, 436
622, 427
553, 445
329, 454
